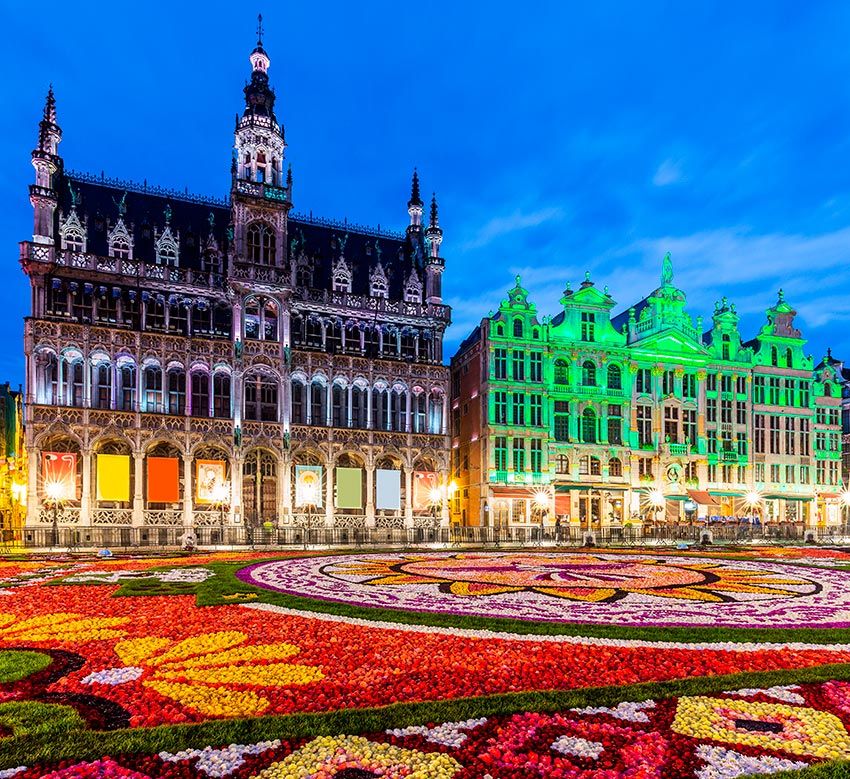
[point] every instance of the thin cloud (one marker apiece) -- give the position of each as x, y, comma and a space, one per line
515, 222
668, 172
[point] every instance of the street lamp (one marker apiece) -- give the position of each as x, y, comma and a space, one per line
845, 503
310, 499
541, 503
221, 498
54, 492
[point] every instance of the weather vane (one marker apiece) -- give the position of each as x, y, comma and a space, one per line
259, 29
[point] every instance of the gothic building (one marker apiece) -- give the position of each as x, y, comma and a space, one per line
195, 361
648, 417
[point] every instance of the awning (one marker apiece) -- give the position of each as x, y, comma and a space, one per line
780, 496
585, 487
562, 503
727, 493
828, 495
701, 497
676, 497
512, 492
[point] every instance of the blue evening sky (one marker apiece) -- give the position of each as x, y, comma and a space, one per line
560, 137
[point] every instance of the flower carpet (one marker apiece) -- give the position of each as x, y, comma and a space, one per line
468, 664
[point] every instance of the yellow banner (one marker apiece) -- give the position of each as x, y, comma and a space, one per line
113, 477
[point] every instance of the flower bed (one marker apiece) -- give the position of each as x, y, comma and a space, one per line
100, 660
632, 590
723, 735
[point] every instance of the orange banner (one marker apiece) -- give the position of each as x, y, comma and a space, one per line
163, 480
59, 475
424, 484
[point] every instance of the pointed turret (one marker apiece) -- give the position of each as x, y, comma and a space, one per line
415, 204
433, 234
47, 164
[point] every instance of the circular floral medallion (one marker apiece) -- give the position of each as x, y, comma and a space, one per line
627, 589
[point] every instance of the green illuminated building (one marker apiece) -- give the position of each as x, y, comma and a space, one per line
649, 416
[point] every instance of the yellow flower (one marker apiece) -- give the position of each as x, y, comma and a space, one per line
61, 626
209, 673
329, 755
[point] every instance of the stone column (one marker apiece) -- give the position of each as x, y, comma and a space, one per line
369, 393
408, 411
445, 411
86, 501
370, 494
329, 495
138, 480
236, 486
286, 466
187, 491
408, 497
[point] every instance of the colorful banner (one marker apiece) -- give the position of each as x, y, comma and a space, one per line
209, 476
308, 486
59, 475
424, 483
349, 488
113, 477
163, 480
388, 489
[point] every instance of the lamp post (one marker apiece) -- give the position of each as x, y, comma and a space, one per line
541, 504
53, 492
753, 501
221, 498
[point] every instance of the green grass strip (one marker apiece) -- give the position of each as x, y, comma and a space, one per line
56, 742
18, 664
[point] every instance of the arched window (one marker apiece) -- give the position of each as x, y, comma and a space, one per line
176, 380
200, 394
261, 243
588, 426
615, 377
615, 467
562, 372
299, 413
588, 374
73, 240
221, 395
535, 334
595, 466
120, 248
153, 389
261, 398
500, 329
517, 328
359, 400
270, 321
827, 390
101, 393
789, 358
726, 346
774, 356
125, 398
261, 166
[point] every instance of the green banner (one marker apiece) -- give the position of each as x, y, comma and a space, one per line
349, 488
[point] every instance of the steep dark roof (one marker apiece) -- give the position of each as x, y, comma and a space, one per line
623, 317
319, 239
471, 339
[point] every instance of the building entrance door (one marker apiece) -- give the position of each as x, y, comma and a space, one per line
259, 488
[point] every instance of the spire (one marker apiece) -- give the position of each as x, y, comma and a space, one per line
259, 96
49, 133
434, 220
434, 235
414, 205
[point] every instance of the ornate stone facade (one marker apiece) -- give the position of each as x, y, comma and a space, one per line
173, 326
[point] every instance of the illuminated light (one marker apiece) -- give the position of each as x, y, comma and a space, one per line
656, 498
221, 492
452, 488
753, 498
435, 495
845, 497
541, 499
54, 490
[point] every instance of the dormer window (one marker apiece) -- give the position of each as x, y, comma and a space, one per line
378, 285
72, 233
120, 243
413, 289
261, 243
120, 249
166, 248
341, 276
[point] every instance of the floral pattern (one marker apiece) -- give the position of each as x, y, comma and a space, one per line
160, 659
603, 588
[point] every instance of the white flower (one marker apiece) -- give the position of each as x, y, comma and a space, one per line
113, 676
628, 710
727, 764
580, 747
448, 734
217, 763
